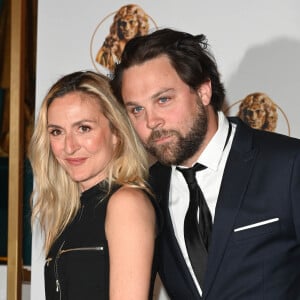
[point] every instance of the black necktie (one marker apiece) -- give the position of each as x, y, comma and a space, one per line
197, 234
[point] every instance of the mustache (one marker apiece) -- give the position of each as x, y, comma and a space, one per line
157, 134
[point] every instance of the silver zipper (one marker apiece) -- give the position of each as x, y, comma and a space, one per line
58, 289
97, 248
57, 285
62, 251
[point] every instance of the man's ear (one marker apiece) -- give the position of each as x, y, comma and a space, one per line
205, 92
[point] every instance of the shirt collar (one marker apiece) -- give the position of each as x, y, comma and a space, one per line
212, 154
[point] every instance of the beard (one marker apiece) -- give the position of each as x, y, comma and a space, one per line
184, 146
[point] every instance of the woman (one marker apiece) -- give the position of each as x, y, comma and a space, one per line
91, 195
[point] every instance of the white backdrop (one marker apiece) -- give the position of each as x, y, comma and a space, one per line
256, 44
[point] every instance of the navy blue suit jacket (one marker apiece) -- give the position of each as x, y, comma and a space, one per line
261, 182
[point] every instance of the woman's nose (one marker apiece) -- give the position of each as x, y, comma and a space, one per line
71, 143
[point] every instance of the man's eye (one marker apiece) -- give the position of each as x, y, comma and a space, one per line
163, 99
137, 109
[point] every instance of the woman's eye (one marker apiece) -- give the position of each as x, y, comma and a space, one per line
84, 128
55, 132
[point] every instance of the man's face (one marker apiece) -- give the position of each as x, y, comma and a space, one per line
167, 114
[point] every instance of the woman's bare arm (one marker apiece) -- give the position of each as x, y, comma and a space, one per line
130, 230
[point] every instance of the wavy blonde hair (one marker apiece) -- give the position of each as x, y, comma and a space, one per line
56, 197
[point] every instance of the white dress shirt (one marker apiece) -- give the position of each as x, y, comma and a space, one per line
214, 157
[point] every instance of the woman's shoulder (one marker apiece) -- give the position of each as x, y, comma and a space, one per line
126, 197
136, 203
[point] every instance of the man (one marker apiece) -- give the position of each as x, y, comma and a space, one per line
169, 83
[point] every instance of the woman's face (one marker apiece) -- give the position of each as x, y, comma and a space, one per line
81, 138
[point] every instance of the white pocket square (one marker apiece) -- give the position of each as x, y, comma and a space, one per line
256, 224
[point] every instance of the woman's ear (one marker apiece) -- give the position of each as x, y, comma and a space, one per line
204, 91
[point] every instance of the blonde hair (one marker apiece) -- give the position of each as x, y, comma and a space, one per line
56, 197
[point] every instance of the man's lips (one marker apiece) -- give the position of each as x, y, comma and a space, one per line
162, 139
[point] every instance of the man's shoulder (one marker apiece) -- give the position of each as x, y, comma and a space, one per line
265, 135
158, 168
159, 176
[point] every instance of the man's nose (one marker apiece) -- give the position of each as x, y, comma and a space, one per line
154, 120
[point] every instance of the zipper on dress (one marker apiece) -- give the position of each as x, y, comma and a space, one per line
96, 248
58, 288
57, 285
62, 251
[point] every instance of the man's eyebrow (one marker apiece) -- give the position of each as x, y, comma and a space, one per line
154, 96
131, 103
161, 92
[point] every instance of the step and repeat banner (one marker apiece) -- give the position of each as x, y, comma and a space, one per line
256, 44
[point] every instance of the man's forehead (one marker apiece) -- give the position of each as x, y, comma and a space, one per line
138, 101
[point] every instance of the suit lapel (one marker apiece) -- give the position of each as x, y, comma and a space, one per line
234, 183
161, 188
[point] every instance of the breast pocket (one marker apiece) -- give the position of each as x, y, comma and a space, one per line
261, 229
